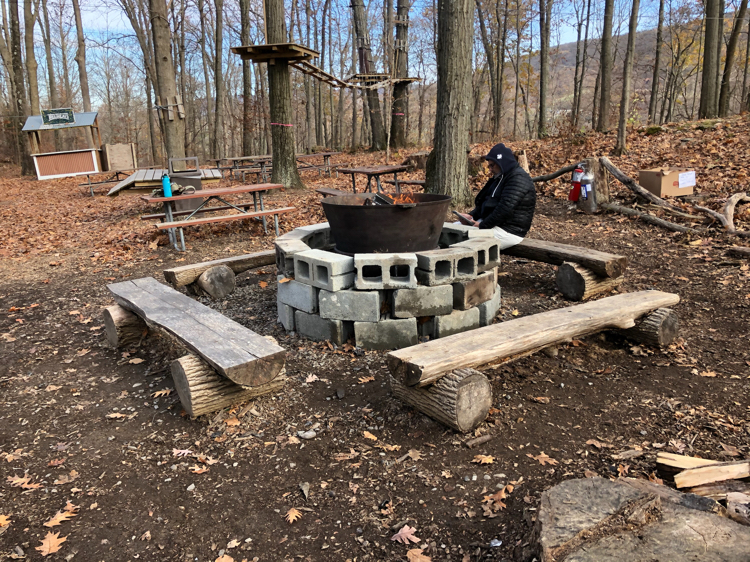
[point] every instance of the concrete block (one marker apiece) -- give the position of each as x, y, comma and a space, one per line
487, 250
316, 328
455, 322
286, 316
317, 236
489, 309
325, 270
426, 327
453, 233
468, 294
385, 271
285, 250
298, 295
386, 334
357, 306
441, 267
422, 301
481, 233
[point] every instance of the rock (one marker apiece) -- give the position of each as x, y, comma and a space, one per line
307, 434
191, 488
594, 520
217, 282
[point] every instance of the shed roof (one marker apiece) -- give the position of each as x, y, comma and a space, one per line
34, 122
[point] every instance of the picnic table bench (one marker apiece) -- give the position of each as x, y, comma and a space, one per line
171, 226
222, 348
375, 172
419, 183
330, 192
326, 167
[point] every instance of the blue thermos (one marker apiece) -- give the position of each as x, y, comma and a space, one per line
166, 186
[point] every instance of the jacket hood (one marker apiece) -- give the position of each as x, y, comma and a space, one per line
503, 157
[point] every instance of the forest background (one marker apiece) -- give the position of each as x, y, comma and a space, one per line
689, 60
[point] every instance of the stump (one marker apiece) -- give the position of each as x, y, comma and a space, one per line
202, 390
122, 326
523, 161
577, 283
218, 281
658, 328
460, 400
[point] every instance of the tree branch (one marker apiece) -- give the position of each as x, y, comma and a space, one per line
556, 174
633, 186
645, 217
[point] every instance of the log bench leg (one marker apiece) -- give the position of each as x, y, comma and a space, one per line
460, 400
658, 328
122, 326
577, 283
203, 391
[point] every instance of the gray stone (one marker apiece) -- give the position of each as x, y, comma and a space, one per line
286, 316
325, 270
386, 334
595, 520
422, 301
441, 267
456, 322
316, 328
489, 309
285, 250
487, 250
468, 294
317, 236
298, 295
217, 281
385, 271
357, 306
453, 233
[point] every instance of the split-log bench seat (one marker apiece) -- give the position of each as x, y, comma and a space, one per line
226, 357
417, 372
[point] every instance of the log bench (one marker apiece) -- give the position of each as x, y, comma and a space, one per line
225, 356
417, 371
582, 272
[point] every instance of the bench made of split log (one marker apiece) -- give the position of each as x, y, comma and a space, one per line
234, 351
424, 364
601, 263
186, 274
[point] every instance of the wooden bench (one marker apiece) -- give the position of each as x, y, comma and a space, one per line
419, 183
418, 371
331, 192
226, 218
225, 357
162, 216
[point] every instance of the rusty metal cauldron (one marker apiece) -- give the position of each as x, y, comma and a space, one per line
412, 226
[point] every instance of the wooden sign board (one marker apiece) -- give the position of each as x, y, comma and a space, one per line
52, 118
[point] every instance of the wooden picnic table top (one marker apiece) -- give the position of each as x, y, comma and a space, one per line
317, 154
374, 170
202, 193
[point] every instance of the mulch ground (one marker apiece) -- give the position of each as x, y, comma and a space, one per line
86, 424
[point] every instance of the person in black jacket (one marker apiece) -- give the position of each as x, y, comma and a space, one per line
507, 201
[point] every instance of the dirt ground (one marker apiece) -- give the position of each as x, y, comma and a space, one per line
88, 424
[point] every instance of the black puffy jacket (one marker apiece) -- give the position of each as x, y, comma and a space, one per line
508, 202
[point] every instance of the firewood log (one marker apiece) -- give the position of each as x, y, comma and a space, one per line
122, 326
658, 328
577, 283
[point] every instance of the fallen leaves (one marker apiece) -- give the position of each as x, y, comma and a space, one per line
539, 399
181, 452
232, 421
160, 393
483, 459
708, 374
59, 518
542, 458
364, 380
224, 558
136, 361
198, 469
415, 555
66, 478
4, 520
598, 444
370, 436
263, 284
292, 515
23, 482
51, 544
494, 502
405, 535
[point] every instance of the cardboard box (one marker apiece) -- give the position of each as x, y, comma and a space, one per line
668, 181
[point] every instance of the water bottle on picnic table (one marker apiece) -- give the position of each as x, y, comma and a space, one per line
166, 185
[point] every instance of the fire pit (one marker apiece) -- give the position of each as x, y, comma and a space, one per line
409, 222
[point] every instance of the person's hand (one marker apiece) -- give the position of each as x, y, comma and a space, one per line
469, 218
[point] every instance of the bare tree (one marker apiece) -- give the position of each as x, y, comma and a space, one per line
657, 66
627, 79
247, 91
448, 164
83, 76
739, 19
30, 13
605, 65
401, 69
218, 148
709, 99
545, 15
19, 105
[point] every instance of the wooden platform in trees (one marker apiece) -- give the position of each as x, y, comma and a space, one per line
269, 53
424, 364
234, 351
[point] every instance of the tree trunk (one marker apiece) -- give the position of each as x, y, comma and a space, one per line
64, 58
218, 148
545, 14
152, 133
83, 76
489, 53
19, 106
206, 77
29, 21
627, 79
366, 66
247, 91
517, 69
355, 133
401, 70
711, 47
734, 38
448, 166
280, 95
577, 109
743, 95
652, 102
174, 128
498, 102
605, 64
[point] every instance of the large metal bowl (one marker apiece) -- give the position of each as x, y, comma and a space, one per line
364, 229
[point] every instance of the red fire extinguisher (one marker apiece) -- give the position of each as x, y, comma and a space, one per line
575, 185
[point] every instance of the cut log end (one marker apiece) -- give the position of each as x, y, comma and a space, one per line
577, 283
122, 327
659, 328
202, 390
460, 400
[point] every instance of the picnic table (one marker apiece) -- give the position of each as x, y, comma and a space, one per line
263, 163
326, 167
375, 172
172, 226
